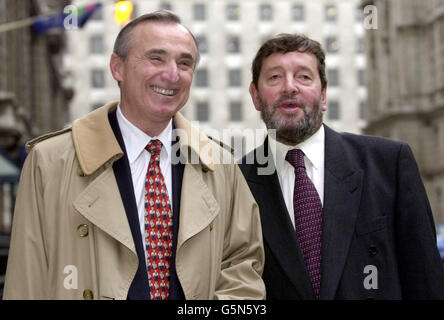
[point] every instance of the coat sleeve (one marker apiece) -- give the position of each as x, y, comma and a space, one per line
243, 255
26, 273
420, 266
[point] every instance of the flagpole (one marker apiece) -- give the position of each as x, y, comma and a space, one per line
16, 24
22, 23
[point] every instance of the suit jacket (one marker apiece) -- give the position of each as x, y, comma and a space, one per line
378, 239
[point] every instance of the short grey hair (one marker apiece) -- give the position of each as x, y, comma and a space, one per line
123, 40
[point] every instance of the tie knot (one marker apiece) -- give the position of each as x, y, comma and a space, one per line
154, 147
296, 158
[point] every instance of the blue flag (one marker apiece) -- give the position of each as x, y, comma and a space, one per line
83, 13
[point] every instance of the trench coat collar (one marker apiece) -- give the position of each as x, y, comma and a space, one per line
95, 143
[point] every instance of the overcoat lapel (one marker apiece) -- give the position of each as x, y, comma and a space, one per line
342, 194
197, 210
100, 203
278, 231
199, 207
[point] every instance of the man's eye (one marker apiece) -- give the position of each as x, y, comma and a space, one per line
186, 63
274, 77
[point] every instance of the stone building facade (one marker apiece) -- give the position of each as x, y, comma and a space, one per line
34, 98
405, 59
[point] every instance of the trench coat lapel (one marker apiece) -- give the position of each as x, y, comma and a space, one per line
278, 231
197, 208
101, 204
97, 149
342, 193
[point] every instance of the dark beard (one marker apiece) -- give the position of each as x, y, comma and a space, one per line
288, 129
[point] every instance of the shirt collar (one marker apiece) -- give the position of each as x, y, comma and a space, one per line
136, 140
313, 149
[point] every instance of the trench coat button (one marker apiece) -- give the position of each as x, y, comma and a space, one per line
88, 294
80, 172
211, 226
204, 168
82, 230
373, 250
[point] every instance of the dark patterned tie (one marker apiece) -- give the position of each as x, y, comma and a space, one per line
308, 218
158, 226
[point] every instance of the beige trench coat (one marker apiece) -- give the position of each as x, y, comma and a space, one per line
71, 238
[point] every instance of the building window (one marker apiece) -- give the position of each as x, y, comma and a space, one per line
360, 46
234, 78
202, 44
233, 44
333, 110
166, 6
332, 44
199, 12
359, 14
202, 111
97, 78
233, 12
361, 77
265, 12
333, 77
201, 78
362, 110
96, 44
331, 13
298, 12
235, 111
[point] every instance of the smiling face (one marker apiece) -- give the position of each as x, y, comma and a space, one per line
156, 76
289, 95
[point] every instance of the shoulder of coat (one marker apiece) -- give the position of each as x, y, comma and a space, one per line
222, 145
31, 143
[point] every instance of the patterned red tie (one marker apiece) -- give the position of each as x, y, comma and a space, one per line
158, 226
308, 218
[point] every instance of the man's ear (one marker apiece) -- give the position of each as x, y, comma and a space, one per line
255, 96
324, 99
116, 66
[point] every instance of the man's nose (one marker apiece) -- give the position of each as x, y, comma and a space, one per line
291, 86
171, 72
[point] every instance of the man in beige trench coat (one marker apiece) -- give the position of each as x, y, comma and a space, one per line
79, 221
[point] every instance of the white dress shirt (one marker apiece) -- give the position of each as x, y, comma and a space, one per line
313, 149
135, 142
